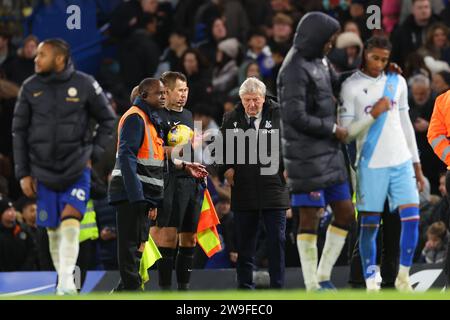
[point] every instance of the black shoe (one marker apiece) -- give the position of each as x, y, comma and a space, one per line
165, 288
183, 286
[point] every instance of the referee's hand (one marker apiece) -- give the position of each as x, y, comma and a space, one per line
196, 170
152, 213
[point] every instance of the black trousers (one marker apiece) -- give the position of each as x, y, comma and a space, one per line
132, 229
388, 240
86, 258
246, 224
447, 223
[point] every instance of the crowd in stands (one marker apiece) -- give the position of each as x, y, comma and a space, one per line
217, 44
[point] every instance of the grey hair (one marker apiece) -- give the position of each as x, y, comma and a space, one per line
252, 85
419, 79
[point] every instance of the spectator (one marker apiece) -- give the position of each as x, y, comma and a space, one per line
435, 250
6, 52
140, 56
8, 94
199, 77
352, 26
184, 17
225, 69
106, 221
217, 33
408, 37
280, 41
347, 55
17, 248
445, 15
286, 7
358, 15
437, 43
28, 209
236, 19
415, 64
171, 57
258, 12
438, 211
390, 9
259, 51
421, 103
337, 9
204, 114
218, 189
111, 80
229, 104
4, 189
22, 66
249, 68
282, 33
441, 82
163, 12
437, 7
129, 16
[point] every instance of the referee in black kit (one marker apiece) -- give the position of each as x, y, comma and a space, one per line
178, 217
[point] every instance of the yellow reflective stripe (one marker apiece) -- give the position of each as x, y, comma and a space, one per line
147, 162
154, 181
88, 226
445, 153
208, 239
151, 162
436, 141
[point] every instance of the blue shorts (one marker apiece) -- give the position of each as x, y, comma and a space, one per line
397, 183
50, 203
320, 198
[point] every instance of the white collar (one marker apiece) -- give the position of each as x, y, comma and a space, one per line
258, 115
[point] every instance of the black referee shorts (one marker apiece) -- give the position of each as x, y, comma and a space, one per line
181, 204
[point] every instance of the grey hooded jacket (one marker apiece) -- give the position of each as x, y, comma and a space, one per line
312, 155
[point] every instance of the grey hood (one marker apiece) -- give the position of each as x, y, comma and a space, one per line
313, 31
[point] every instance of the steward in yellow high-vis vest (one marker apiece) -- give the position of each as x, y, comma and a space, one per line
88, 226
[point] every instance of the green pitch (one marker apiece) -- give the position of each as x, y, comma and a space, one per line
245, 295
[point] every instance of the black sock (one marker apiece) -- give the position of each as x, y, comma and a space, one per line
346, 228
183, 266
165, 267
307, 231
